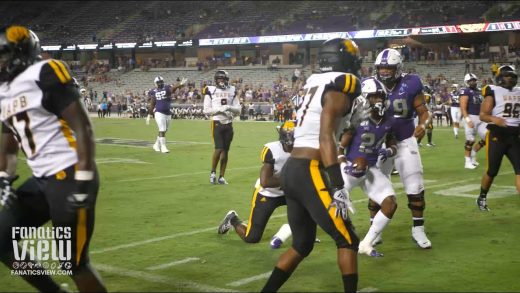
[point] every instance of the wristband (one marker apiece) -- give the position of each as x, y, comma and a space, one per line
3, 174
334, 174
83, 175
467, 119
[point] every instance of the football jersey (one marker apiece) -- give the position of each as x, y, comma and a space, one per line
507, 103
215, 98
163, 99
474, 100
401, 99
30, 108
307, 130
274, 154
455, 99
368, 138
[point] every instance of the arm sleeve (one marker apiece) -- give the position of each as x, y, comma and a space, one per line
58, 87
267, 156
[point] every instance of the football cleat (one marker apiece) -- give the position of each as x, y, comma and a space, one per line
430, 144
275, 242
469, 165
221, 180
156, 147
213, 178
224, 227
420, 145
164, 149
366, 248
482, 205
419, 236
474, 162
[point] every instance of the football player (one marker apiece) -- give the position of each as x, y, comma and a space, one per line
268, 195
455, 109
42, 115
311, 178
363, 141
160, 103
429, 99
406, 98
501, 108
221, 102
470, 100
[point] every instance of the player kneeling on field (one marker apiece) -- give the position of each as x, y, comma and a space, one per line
268, 195
362, 140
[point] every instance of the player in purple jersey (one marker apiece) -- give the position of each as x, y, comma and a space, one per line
363, 141
406, 98
160, 108
470, 100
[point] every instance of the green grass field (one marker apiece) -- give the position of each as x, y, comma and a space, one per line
157, 218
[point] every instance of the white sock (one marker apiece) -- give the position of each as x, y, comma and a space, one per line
158, 141
162, 140
468, 159
455, 131
473, 154
284, 233
379, 223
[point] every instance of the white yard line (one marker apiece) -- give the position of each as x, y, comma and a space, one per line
181, 175
249, 280
368, 289
178, 285
171, 264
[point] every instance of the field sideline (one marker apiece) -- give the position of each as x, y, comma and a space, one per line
157, 216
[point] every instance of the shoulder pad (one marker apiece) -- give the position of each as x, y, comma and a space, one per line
488, 91
348, 83
55, 72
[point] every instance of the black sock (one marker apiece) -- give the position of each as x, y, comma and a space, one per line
235, 221
350, 282
429, 137
483, 192
276, 280
418, 222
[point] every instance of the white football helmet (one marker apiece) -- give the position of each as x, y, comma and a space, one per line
159, 81
468, 77
371, 86
389, 58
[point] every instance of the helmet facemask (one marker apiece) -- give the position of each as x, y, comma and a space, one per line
377, 105
507, 77
19, 48
221, 79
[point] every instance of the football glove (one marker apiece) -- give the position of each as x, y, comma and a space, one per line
341, 201
353, 171
81, 198
385, 153
7, 192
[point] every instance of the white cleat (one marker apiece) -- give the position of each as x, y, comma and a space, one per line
474, 162
366, 248
470, 165
156, 147
164, 149
419, 236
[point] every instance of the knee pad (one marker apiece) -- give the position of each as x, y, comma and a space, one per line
482, 143
468, 145
303, 248
416, 198
373, 206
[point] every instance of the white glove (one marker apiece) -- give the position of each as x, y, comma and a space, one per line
224, 108
148, 119
183, 81
341, 201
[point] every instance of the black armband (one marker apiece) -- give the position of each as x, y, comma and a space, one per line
334, 176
